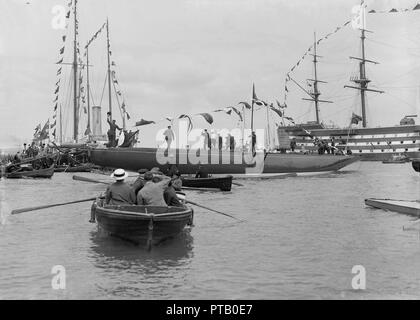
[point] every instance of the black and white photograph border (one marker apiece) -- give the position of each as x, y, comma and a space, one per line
199, 150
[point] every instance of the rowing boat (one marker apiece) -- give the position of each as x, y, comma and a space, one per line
408, 207
222, 183
397, 159
40, 173
148, 225
416, 164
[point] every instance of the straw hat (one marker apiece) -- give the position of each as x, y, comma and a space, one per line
119, 174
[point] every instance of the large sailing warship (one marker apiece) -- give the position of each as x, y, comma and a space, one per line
370, 143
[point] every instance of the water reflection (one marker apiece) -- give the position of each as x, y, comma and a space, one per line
109, 251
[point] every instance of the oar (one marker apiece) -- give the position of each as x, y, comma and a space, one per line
237, 184
50, 206
210, 209
79, 178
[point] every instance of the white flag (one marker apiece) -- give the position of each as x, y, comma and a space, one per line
359, 17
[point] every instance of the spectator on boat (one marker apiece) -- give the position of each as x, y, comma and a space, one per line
227, 142
152, 192
201, 172
171, 199
213, 138
253, 141
24, 151
140, 182
326, 146
172, 170
207, 141
169, 137
17, 158
177, 181
119, 193
293, 144
112, 132
232, 143
320, 148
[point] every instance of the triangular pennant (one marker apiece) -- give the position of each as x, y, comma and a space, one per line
246, 104
207, 117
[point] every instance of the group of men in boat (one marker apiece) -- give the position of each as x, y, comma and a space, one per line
151, 188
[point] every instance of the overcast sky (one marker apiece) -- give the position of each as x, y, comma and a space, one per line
189, 56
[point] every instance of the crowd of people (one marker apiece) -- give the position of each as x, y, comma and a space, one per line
323, 147
213, 140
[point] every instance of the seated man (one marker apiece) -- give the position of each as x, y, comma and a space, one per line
170, 196
201, 172
152, 192
139, 183
119, 193
177, 181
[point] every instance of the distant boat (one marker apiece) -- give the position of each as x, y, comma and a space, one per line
222, 183
416, 164
40, 173
397, 158
411, 208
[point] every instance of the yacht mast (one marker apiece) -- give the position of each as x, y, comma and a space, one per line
88, 90
75, 111
109, 69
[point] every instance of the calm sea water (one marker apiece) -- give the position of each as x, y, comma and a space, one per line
301, 238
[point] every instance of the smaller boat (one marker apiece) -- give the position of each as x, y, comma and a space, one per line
416, 164
46, 173
148, 225
408, 207
397, 158
222, 183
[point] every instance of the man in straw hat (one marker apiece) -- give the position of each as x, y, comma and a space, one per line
119, 193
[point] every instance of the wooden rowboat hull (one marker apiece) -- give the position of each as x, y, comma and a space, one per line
131, 223
222, 183
42, 174
411, 208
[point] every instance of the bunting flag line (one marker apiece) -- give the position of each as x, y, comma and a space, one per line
96, 35
393, 10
